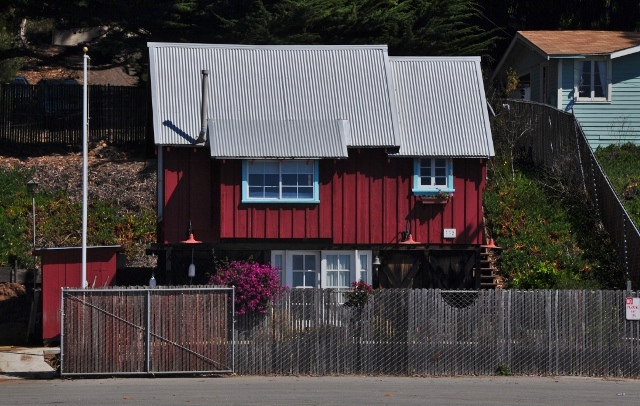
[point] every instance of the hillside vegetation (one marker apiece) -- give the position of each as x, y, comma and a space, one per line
621, 163
121, 209
550, 234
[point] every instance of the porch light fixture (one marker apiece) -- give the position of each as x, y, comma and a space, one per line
492, 245
191, 239
376, 261
407, 238
192, 269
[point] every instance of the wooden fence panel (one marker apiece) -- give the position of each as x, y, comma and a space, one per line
146, 331
554, 140
401, 332
418, 332
52, 114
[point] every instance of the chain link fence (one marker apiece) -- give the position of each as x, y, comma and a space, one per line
434, 332
146, 331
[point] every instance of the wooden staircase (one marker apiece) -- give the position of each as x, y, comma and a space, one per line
489, 276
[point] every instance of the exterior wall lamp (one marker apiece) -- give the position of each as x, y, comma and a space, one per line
407, 238
191, 240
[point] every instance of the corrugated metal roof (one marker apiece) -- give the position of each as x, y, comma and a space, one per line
279, 138
441, 107
267, 84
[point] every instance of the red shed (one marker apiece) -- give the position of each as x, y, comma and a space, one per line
62, 267
331, 162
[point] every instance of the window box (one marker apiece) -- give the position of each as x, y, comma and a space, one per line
434, 199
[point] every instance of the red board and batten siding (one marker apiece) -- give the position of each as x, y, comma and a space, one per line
62, 267
365, 199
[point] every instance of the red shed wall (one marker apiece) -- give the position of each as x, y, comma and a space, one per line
63, 268
365, 199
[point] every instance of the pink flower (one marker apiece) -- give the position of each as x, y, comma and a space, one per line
255, 284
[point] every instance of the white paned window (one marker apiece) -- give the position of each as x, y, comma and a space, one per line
433, 176
277, 259
338, 269
365, 264
293, 181
323, 269
304, 270
592, 81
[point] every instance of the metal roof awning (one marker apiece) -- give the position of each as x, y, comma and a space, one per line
284, 139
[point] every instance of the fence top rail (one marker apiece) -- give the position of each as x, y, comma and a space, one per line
147, 288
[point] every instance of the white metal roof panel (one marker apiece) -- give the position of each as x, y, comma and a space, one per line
278, 138
272, 84
442, 107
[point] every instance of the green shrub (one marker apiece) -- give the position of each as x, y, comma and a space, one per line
59, 221
549, 240
621, 164
15, 217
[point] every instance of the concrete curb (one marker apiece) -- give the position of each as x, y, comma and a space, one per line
25, 363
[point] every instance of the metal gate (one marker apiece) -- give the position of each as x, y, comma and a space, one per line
146, 331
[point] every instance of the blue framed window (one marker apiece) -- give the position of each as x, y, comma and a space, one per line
271, 181
432, 176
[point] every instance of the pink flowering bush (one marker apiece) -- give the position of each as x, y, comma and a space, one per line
256, 284
358, 295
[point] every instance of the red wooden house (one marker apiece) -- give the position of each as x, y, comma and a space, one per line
324, 160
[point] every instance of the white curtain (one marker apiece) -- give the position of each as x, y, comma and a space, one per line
602, 70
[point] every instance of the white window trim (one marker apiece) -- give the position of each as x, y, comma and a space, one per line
427, 190
282, 266
245, 185
544, 83
321, 256
289, 272
577, 78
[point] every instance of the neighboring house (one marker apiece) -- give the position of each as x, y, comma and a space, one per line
595, 74
323, 160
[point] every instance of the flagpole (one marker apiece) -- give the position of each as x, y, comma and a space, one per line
85, 125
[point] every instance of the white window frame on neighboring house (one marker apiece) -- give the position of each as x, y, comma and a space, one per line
432, 175
360, 265
544, 83
280, 181
586, 83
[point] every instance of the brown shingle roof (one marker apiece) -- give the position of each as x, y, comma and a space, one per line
581, 42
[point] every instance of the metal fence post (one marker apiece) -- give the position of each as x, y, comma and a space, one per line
233, 328
147, 336
61, 330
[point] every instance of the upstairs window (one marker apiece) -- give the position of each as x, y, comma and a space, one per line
293, 181
432, 176
592, 80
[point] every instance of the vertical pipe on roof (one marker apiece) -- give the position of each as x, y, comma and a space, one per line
204, 107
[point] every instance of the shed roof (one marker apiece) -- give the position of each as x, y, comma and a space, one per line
315, 101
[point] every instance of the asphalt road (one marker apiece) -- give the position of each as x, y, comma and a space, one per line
342, 390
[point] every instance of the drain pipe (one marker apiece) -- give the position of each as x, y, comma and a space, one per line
202, 137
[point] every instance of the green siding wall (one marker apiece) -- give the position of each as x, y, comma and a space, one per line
614, 122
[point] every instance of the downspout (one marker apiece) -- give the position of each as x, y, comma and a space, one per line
202, 137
